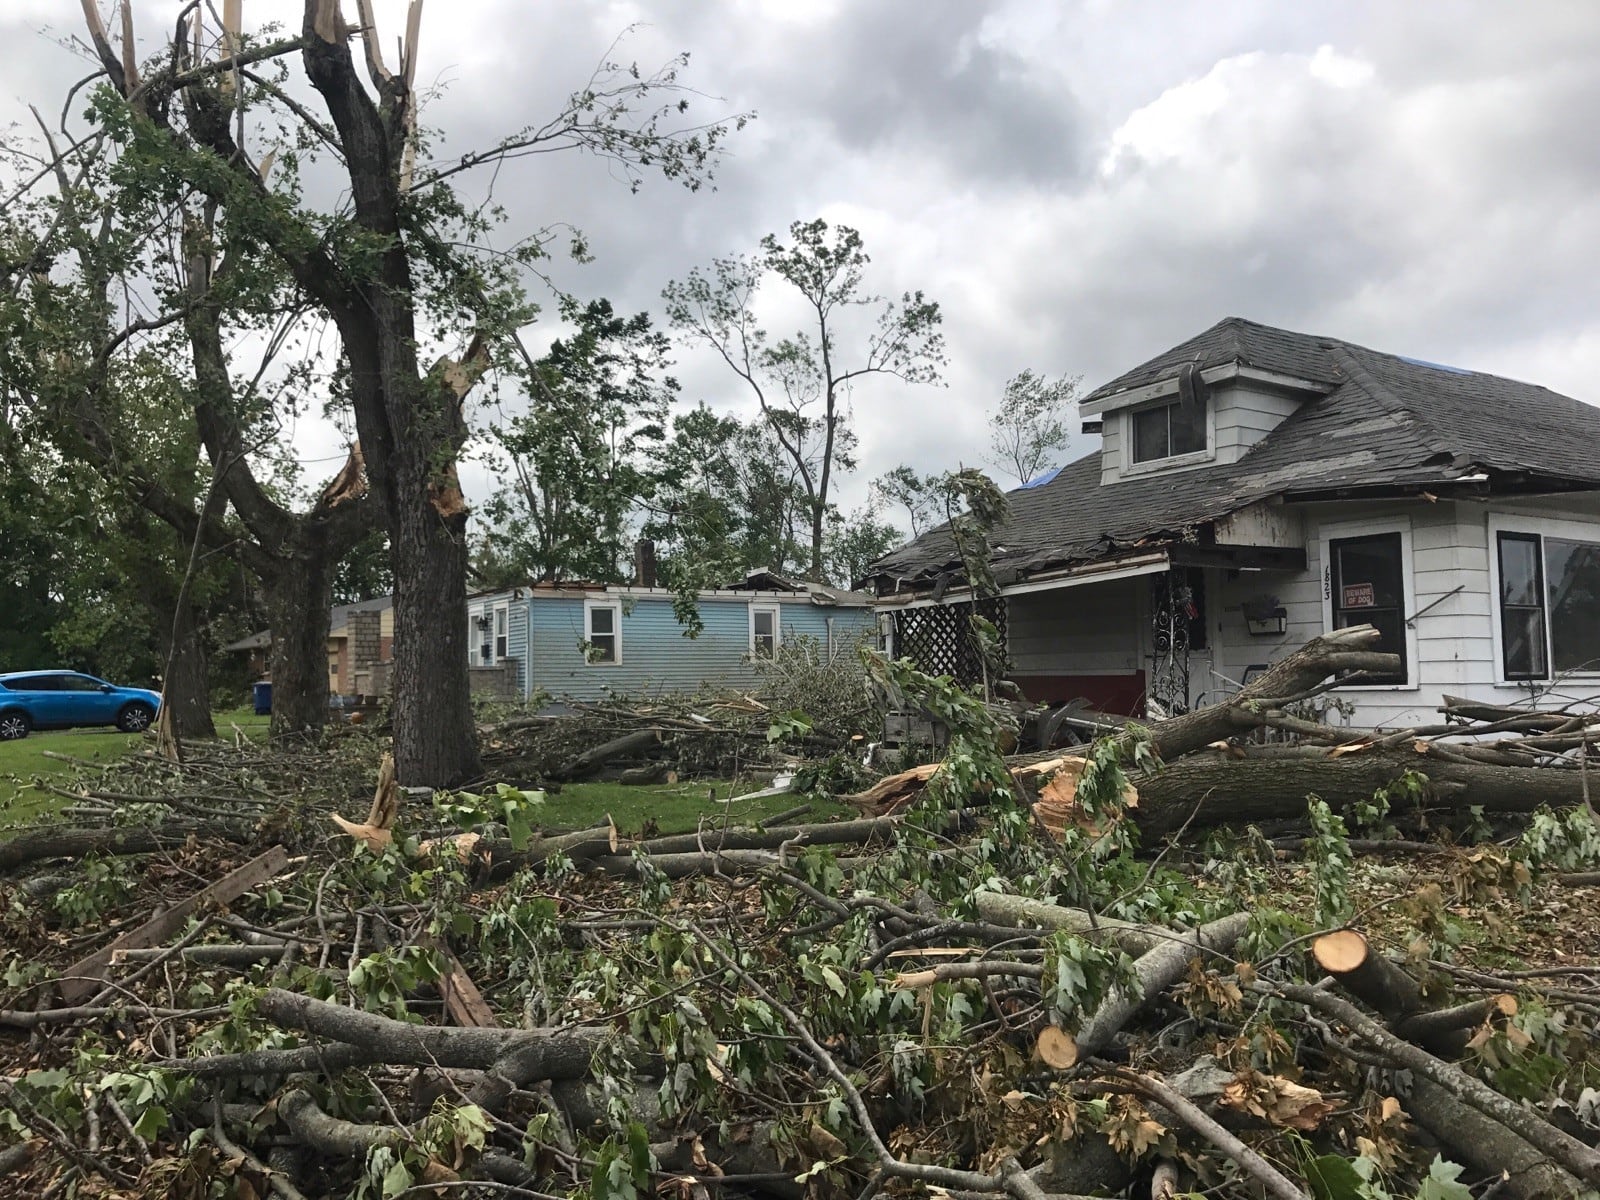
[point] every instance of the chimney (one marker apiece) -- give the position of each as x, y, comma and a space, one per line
644, 563
366, 639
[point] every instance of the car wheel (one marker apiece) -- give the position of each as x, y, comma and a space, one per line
135, 718
14, 725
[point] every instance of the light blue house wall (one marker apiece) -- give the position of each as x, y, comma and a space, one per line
546, 629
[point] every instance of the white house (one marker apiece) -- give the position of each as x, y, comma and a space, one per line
1255, 487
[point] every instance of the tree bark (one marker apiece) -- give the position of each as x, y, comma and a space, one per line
1204, 790
1486, 1145
134, 839
1155, 971
186, 688
592, 759
1000, 908
298, 596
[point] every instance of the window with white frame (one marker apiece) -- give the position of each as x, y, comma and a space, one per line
1549, 601
502, 623
1168, 430
764, 635
602, 633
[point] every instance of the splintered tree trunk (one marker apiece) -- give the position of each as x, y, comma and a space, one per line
298, 597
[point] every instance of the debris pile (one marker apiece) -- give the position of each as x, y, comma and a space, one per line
1004, 978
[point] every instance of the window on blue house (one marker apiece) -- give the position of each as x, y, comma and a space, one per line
764, 636
602, 633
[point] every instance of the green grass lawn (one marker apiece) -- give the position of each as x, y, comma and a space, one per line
24, 766
675, 807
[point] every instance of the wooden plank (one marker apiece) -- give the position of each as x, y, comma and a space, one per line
86, 976
462, 999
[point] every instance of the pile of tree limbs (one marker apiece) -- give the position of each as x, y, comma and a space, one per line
958, 995
1255, 758
714, 734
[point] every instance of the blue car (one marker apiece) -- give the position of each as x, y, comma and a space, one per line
61, 699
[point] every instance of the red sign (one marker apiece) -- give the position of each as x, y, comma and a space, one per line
1359, 595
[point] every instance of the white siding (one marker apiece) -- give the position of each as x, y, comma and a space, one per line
1451, 636
1245, 415
1111, 448
1240, 416
1085, 630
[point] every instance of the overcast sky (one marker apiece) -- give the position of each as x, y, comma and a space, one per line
1079, 185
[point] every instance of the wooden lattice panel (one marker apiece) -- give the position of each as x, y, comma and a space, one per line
940, 641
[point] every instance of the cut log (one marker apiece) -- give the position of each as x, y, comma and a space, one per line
1056, 1048
591, 760
1385, 987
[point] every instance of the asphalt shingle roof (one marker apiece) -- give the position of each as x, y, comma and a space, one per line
1388, 421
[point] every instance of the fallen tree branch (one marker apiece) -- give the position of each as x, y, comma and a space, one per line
1155, 971
1583, 1161
1258, 1168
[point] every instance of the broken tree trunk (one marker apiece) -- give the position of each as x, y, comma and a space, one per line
1343, 650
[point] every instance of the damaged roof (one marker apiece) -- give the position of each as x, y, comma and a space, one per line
1387, 422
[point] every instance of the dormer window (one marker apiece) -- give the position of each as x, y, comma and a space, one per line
1169, 430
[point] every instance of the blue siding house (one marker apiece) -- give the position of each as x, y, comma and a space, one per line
587, 641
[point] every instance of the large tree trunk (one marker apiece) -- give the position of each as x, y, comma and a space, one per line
1203, 790
410, 421
298, 596
186, 689
435, 738
185, 684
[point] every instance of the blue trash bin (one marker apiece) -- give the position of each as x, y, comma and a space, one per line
263, 697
